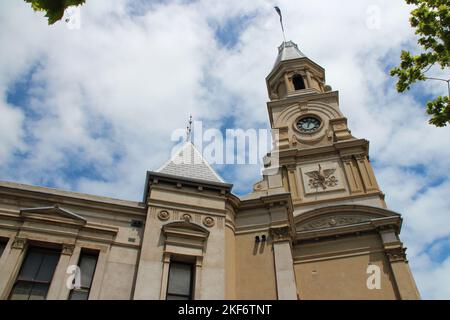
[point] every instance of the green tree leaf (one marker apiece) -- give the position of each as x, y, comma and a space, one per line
54, 9
431, 21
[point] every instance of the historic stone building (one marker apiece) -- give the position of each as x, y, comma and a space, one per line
317, 228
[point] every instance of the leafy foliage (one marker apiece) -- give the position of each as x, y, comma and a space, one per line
54, 8
431, 19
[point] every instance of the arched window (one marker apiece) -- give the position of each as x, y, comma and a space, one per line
298, 82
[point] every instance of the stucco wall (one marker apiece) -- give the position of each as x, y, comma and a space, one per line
337, 269
255, 276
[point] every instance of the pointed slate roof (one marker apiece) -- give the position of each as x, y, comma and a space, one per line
288, 50
188, 162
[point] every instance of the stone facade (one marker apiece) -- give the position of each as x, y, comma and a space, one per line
309, 230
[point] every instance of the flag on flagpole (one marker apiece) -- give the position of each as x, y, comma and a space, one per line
281, 21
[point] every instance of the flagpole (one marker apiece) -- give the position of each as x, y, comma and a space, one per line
281, 22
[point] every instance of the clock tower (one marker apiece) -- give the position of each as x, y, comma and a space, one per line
339, 229
321, 160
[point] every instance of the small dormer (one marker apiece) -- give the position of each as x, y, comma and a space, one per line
293, 73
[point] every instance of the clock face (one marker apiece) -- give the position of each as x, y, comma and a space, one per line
308, 124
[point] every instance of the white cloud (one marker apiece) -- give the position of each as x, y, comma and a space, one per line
107, 97
11, 132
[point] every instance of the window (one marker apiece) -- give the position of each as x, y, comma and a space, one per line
35, 274
180, 281
2, 246
87, 264
298, 82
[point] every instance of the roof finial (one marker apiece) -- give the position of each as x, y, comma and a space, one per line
281, 21
189, 129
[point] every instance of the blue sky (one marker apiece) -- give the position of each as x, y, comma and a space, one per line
91, 109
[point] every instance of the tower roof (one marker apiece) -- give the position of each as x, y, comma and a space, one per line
188, 162
288, 50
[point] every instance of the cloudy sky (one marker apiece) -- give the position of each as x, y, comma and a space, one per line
91, 109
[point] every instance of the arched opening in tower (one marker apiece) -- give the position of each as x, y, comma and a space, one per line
298, 82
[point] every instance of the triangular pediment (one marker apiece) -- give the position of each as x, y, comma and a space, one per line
54, 211
184, 234
186, 227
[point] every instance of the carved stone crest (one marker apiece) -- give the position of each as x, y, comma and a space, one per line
322, 178
208, 222
163, 215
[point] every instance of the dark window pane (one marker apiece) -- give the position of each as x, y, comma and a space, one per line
87, 267
31, 265
79, 295
87, 264
35, 274
48, 266
2, 247
39, 291
21, 290
180, 279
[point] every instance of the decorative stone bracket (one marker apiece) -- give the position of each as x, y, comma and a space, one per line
67, 249
396, 254
281, 234
19, 243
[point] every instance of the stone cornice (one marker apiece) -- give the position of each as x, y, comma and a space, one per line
32, 224
310, 96
169, 205
298, 98
303, 203
157, 177
71, 198
280, 199
195, 191
286, 65
347, 147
